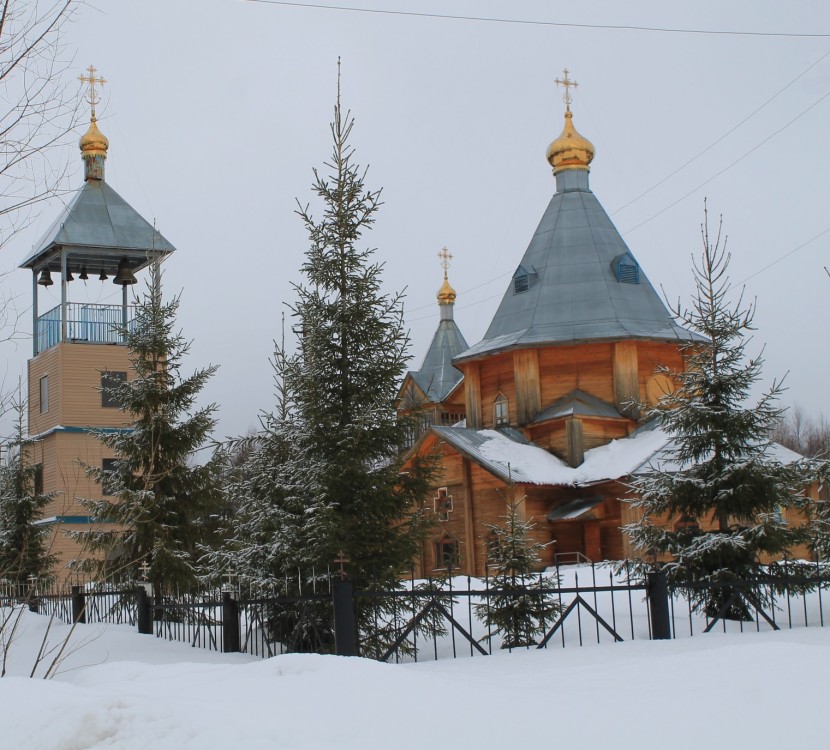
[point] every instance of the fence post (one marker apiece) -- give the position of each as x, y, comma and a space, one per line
144, 614
341, 594
78, 605
658, 605
230, 623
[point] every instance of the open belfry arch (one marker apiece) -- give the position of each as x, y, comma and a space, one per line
551, 393
98, 239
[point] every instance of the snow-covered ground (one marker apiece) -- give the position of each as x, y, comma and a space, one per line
118, 689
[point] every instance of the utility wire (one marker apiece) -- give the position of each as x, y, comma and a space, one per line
729, 166
727, 133
559, 24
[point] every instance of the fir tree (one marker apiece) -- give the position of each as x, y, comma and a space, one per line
323, 477
163, 506
717, 512
343, 383
24, 546
519, 611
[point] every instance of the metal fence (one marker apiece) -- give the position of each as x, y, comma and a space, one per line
449, 617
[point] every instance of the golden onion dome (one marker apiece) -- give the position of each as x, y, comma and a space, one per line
446, 294
93, 142
570, 150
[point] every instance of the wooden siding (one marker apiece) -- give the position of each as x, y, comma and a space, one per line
589, 367
652, 355
528, 390
74, 372
626, 383
497, 377
472, 394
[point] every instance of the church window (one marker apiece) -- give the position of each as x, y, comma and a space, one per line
493, 550
687, 523
44, 394
109, 380
447, 555
500, 411
449, 418
38, 479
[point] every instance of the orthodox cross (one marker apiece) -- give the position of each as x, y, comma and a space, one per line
92, 95
445, 256
341, 561
567, 83
145, 568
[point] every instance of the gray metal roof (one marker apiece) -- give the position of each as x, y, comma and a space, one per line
578, 403
98, 228
437, 377
572, 289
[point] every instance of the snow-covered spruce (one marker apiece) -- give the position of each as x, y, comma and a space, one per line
323, 480
162, 506
714, 507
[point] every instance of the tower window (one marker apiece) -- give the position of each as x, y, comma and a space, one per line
44, 394
107, 484
500, 411
110, 380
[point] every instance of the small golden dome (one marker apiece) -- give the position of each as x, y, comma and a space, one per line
446, 294
570, 150
93, 142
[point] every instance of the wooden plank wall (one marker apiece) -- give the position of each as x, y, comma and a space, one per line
626, 383
528, 389
565, 368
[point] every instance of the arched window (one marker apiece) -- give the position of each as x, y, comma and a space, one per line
500, 411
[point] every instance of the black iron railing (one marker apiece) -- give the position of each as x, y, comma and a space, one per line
448, 617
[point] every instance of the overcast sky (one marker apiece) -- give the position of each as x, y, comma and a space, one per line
217, 111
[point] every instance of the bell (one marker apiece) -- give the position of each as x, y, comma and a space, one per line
103, 275
125, 275
69, 276
83, 276
45, 278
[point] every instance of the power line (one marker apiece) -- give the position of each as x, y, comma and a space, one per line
729, 166
559, 24
727, 133
784, 256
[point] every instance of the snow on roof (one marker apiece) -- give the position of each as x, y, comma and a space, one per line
509, 455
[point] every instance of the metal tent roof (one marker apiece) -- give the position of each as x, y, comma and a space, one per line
99, 228
576, 283
437, 377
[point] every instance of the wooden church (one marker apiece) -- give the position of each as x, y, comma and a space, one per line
98, 240
544, 409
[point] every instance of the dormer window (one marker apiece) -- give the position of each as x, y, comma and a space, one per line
523, 279
500, 411
626, 269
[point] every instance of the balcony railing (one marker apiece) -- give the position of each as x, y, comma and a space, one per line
92, 324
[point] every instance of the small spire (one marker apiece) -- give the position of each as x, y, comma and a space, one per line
570, 150
93, 143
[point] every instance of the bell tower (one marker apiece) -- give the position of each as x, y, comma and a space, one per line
98, 242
